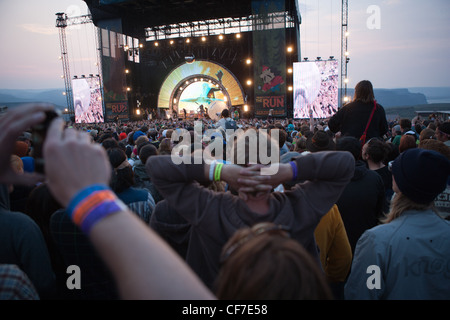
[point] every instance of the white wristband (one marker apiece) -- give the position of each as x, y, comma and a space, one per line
212, 166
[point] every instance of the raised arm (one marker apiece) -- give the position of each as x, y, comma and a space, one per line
143, 265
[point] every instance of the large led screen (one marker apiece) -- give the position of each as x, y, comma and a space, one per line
199, 93
87, 100
316, 89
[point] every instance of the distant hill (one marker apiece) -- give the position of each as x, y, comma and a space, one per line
396, 97
11, 96
411, 111
434, 94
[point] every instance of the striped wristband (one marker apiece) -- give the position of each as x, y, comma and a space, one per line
218, 171
212, 166
91, 205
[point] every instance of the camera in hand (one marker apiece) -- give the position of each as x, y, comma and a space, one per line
39, 132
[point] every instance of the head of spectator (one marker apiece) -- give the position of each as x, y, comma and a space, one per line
300, 144
320, 141
407, 142
147, 151
279, 266
165, 147
396, 130
122, 136
436, 145
21, 149
376, 151
123, 176
364, 92
419, 176
17, 163
225, 113
137, 134
110, 143
405, 124
443, 131
427, 133
350, 144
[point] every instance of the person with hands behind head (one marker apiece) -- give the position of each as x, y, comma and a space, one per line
142, 264
215, 216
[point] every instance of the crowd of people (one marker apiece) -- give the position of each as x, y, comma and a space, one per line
342, 217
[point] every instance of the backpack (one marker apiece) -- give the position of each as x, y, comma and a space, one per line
230, 124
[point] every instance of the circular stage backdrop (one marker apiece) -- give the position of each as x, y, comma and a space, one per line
200, 83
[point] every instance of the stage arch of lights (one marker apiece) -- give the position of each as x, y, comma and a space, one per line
200, 82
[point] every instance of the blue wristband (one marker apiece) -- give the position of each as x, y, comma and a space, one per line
83, 194
294, 169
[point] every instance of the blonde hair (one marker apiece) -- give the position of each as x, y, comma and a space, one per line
401, 203
16, 163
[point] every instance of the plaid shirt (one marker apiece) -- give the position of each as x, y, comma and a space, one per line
76, 249
15, 284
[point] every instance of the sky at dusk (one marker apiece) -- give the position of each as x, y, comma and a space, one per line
393, 43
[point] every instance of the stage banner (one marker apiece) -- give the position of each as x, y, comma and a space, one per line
114, 77
269, 56
116, 111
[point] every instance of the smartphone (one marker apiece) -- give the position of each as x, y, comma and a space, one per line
39, 132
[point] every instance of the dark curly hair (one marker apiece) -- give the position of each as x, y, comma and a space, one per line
122, 178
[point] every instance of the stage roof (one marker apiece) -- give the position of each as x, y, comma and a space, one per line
136, 15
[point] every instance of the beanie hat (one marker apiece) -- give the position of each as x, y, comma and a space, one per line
137, 134
122, 135
420, 174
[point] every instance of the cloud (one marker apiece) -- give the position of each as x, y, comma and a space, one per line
41, 29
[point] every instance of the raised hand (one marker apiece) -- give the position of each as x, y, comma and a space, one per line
73, 162
13, 123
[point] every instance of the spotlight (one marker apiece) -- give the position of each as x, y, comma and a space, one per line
289, 70
203, 39
248, 61
220, 37
289, 49
249, 82
128, 89
188, 40
156, 44
245, 108
141, 45
238, 35
127, 71
171, 42
290, 88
